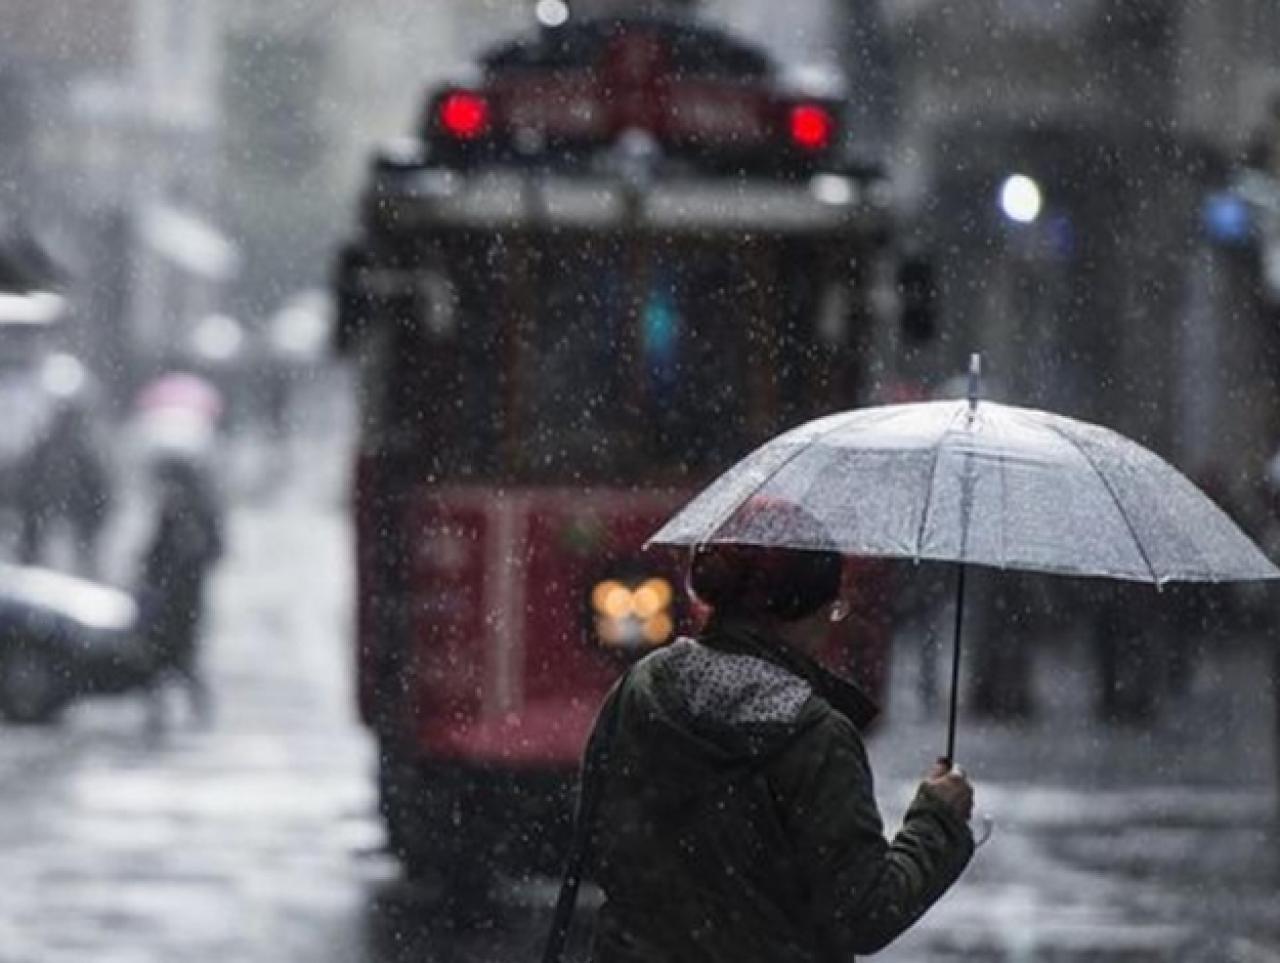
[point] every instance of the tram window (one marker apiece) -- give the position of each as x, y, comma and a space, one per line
574, 356
590, 360
631, 363
694, 391
433, 401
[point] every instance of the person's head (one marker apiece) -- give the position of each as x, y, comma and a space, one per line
178, 477
793, 589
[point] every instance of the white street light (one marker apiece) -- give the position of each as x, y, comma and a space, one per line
1021, 199
552, 13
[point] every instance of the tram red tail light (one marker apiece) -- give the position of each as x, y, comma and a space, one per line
464, 115
812, 127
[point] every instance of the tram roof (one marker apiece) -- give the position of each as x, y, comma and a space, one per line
693, 47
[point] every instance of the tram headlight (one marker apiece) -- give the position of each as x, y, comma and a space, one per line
613, 600
652, 599
633, 613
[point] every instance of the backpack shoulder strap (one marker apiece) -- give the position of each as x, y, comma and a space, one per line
594, 764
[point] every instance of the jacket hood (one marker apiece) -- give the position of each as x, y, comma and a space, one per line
692, 711
721, 702
744, 635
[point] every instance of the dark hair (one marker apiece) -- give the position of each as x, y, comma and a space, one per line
785, 583
748, 573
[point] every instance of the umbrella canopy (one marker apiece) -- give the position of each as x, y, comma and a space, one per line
977, 483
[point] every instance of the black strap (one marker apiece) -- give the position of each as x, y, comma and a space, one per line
595, 762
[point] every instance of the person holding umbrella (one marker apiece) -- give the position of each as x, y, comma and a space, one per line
735, 818
725, 786
975, 483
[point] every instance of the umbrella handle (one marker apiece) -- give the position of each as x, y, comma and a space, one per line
986, 826
975, 378
950, 756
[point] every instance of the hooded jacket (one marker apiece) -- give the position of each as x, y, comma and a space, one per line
737, 821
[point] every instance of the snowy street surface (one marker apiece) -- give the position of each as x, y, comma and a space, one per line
256, 840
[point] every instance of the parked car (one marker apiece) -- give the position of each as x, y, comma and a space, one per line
63, 637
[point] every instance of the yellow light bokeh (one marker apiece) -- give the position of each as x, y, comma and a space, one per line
652, 597
658, 629
613, 599
609, 631
599, 592
640, 616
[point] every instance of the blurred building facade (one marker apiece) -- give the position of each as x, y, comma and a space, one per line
309, 90
112, 132
1059, 159
1107, 303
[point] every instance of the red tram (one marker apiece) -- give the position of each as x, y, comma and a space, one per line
619, 259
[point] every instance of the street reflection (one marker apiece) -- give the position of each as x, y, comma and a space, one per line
402, 924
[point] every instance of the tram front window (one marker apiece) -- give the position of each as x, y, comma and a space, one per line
604, 362
632, 366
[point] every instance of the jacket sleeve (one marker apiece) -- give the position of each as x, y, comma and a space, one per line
863, 891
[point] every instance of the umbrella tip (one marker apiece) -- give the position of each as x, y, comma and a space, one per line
975, 374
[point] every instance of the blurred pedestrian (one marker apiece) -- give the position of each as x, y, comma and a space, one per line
65, 478
1000, 609
184, 546
54, 473
1263, 597
1275, 701
736, 818
921, 612
1125, 637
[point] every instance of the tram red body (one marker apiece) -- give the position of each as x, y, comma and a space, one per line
506, 576
553, 357
504, 668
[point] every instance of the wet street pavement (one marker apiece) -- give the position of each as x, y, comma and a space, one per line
1151, 843
240, 842
255, 839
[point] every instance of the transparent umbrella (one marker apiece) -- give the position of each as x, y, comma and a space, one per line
979, 483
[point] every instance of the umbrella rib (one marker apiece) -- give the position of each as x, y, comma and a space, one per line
1004, 497
933, 474
738, 503
1106, 483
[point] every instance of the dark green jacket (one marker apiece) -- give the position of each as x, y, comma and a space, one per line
737, 822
